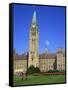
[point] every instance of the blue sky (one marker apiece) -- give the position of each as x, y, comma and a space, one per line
51, 27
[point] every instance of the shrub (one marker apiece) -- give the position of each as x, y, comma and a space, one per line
33, 69
37, 70
53, 71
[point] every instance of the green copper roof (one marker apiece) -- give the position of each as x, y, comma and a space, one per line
46, 50
34, 17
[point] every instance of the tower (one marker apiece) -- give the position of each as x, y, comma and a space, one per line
33, 43
60, 59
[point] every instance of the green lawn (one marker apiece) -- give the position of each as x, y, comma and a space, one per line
40, 79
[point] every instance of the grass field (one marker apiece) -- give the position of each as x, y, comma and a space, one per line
41, 79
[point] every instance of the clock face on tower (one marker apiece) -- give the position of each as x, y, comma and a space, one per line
33, 26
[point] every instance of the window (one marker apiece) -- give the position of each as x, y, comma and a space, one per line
33, 33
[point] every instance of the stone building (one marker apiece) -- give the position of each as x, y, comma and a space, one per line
33, 43
45, 61
20, 63
60, 59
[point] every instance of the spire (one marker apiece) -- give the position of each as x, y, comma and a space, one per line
34, 17
46, 50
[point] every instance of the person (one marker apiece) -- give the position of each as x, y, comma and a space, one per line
24, 76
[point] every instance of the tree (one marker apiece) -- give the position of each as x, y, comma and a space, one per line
55, 65
33, 69
37, 70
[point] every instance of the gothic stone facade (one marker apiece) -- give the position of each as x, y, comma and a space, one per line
46, 61
19, 63
33, 43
